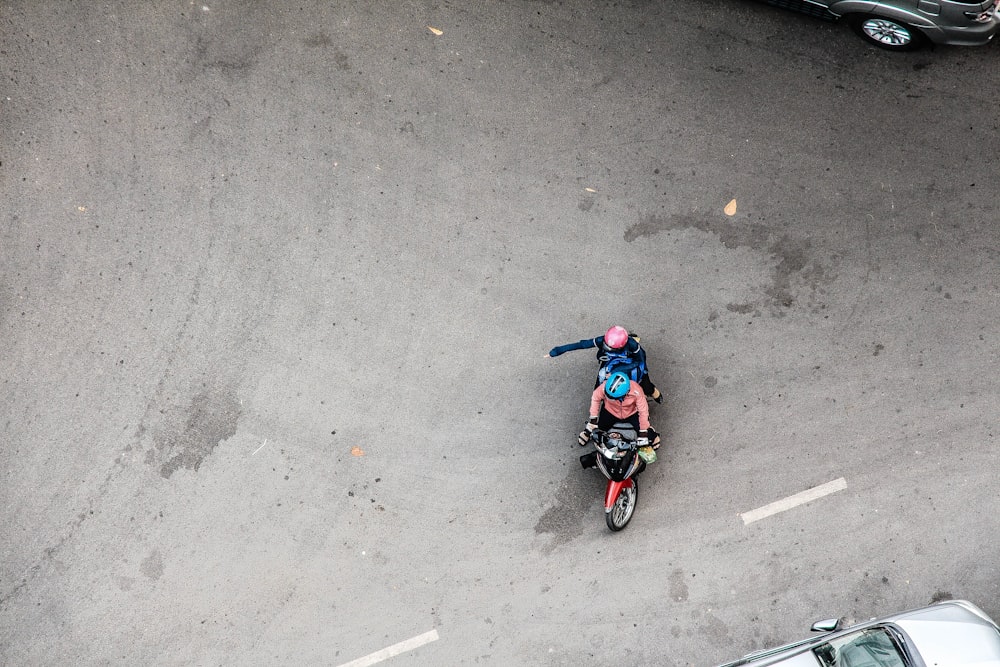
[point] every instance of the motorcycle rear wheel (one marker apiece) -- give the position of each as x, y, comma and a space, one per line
621, 512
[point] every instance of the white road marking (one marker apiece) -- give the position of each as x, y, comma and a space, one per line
261, 447
794, 501
394, 650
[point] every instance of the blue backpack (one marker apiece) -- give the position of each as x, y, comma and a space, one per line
620, 362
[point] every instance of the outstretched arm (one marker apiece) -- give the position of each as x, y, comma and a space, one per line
581, 345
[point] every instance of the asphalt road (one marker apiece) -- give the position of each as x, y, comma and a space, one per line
278, 280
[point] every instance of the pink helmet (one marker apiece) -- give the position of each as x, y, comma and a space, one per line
616, 337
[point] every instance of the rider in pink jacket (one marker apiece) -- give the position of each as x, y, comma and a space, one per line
619, 400
619, 409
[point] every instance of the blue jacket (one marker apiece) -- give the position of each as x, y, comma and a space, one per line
631, 360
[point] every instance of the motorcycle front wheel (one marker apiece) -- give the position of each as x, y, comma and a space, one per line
621, 511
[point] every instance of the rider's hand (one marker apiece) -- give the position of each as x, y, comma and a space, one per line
644, 438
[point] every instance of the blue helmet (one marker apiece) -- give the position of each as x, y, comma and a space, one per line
617, 385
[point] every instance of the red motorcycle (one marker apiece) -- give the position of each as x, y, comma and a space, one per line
621, 455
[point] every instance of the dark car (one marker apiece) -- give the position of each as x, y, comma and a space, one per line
902, 25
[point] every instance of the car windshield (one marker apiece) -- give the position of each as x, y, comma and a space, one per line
872, 647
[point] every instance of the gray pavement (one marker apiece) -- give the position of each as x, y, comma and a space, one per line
277, 282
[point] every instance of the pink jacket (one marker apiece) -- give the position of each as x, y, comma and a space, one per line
632, 402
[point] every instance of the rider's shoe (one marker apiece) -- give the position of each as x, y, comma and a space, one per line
589, 460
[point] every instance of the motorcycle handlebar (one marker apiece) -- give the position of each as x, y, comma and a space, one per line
598, 434
601, 440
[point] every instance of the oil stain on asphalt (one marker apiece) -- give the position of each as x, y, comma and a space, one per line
791, 257
211, 418
576, 500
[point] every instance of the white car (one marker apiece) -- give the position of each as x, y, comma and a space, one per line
954, 633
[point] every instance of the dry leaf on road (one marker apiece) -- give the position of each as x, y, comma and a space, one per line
730, 208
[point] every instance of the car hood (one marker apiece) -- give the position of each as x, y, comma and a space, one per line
952, 636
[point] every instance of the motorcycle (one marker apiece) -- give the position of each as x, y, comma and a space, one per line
621, 455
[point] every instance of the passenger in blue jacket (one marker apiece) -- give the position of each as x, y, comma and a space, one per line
617, 351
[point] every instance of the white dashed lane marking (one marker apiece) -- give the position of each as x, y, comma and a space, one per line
394, 650
794, 501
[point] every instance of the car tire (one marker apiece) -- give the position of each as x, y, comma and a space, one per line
886, 33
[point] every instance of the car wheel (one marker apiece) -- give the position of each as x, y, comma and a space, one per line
886, 33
